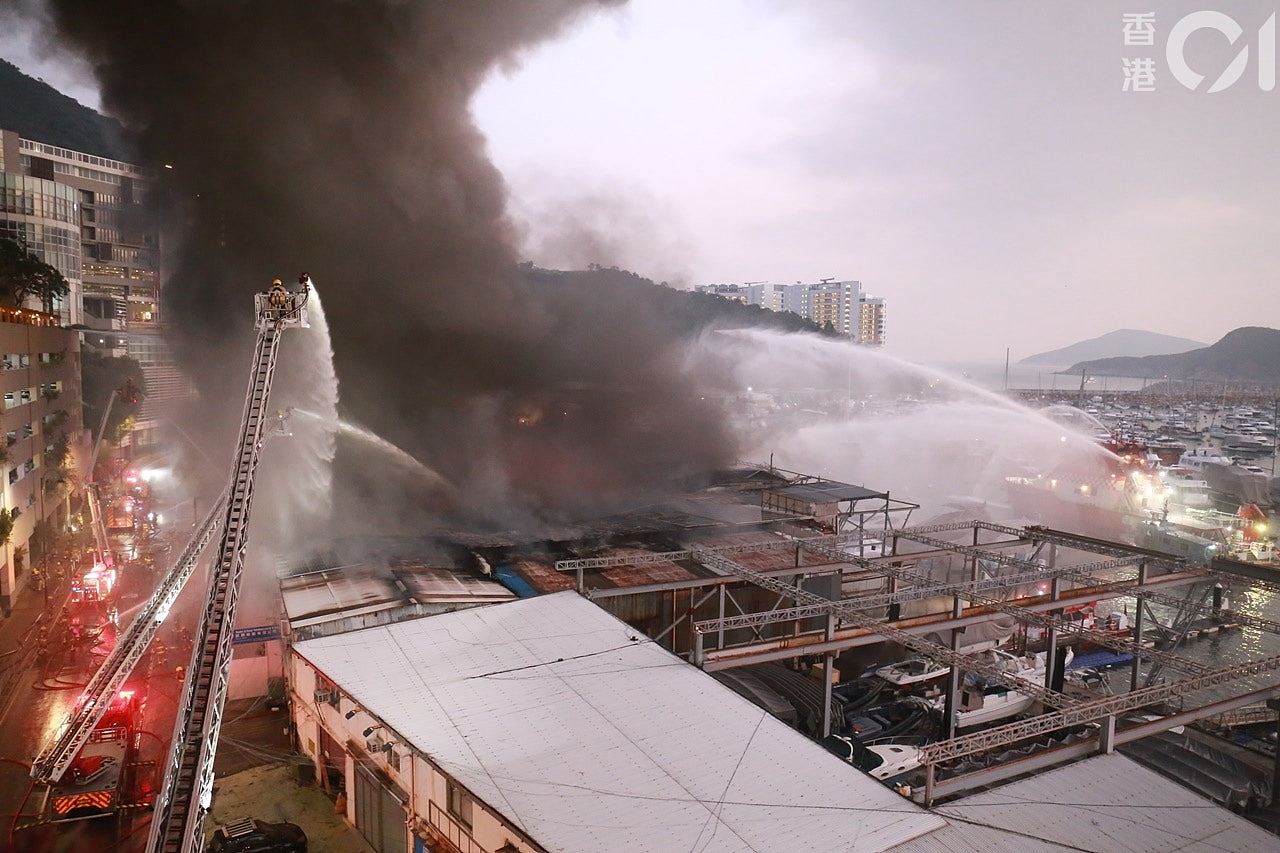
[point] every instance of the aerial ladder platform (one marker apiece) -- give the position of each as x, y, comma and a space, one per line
187, 791
50, 765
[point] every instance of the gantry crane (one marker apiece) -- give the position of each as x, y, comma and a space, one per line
186, 794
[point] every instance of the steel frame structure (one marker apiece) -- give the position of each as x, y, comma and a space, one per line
969, 663
1087, 712
1047, 620
975, 590
925, 589
782, 648
780, 544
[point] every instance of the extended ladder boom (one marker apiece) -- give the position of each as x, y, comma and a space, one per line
187, 792
96, 522
110, 677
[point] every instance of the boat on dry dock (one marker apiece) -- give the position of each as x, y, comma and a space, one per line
981, 702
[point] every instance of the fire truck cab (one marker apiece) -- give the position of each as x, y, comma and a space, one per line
94, 783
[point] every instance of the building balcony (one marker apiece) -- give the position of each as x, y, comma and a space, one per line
28, 317
105, 324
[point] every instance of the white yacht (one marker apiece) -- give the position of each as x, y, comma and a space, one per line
1197, 457
980, 703
1185, 494
911, 671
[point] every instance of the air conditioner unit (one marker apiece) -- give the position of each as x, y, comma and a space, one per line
375, 744
326, 696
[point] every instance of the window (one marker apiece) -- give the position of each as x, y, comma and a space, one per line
13, 476
393, 759
459, 803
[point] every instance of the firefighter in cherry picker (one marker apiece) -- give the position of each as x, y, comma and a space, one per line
277, 296
281, 299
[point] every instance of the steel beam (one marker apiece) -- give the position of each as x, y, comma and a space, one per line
1058, 755
812, 644
916, 592
1230, 615
969, 663
1058, 624
1086, 712
755, 547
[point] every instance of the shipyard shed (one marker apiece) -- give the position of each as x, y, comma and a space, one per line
548, 724
1106, 804
359, 584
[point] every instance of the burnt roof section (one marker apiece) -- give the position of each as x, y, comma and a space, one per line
826, 491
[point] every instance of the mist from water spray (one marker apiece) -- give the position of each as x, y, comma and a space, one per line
828, 406
392, 452
297, 475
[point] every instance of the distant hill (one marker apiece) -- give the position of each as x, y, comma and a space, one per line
1122, 342
38, 111
616, 294
1249, 354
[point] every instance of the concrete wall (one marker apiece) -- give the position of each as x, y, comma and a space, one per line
252, 668
27, 494
421, 780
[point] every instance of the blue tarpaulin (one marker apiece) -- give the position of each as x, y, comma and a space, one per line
507, 576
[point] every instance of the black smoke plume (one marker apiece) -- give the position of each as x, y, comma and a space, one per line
336, 137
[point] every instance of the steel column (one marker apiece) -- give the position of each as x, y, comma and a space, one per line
1137, 629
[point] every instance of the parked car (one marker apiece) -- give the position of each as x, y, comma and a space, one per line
249, 835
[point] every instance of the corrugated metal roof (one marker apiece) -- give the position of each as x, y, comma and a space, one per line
365, 588
591, 738
825, 491
1108, 804
543, 576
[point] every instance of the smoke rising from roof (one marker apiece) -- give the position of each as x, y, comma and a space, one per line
337, 137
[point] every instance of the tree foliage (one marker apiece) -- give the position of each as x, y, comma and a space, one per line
44, 538
6, 526
23, 275
99, 376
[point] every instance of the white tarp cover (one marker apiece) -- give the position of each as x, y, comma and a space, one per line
590, 737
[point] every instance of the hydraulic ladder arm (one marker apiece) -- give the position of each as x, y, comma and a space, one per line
54, 760
187, 792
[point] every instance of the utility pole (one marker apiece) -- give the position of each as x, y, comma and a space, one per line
1006, 370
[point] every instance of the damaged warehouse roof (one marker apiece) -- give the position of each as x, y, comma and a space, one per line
370, 581
589, 736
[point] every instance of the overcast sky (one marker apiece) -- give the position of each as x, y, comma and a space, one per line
976, 163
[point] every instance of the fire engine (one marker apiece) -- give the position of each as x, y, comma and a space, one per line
98, 778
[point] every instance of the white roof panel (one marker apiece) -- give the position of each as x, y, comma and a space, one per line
1108, 804
591, 737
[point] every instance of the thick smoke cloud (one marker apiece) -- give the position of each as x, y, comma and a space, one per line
335, 137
